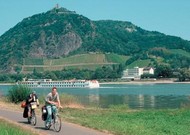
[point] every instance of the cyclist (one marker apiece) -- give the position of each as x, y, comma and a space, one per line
31, 98
52, 100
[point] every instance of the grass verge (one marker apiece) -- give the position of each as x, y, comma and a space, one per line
126, 122
11, 128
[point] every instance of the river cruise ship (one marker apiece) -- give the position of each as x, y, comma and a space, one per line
49, 83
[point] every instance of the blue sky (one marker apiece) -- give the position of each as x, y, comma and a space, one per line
171, 17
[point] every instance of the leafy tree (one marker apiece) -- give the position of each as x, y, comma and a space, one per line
18, 69
184, 74
99, 74
36, 74
5, 78
163, 71
50, 75
16, 77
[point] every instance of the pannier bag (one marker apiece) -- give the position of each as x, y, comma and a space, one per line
33, 105
44, 113
25, 113
23, 104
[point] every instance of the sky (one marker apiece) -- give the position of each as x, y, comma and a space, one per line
171, 17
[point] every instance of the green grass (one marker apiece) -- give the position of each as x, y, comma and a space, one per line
180, 52
116, 58
84, 58
47, 62
7, 128
53, 68
90, 67
82, 61
121, 121
31, 69
33, 61
139, 63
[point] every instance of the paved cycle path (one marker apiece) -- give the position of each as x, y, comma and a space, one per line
67, 128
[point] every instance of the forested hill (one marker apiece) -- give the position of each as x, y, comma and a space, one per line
59, 33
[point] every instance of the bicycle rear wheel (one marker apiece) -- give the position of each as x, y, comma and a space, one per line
33, 119
57, 123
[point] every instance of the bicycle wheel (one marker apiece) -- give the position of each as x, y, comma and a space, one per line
33, 118
57, 123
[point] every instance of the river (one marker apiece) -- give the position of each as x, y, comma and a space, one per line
157, 96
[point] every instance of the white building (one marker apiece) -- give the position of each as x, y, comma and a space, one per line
148, 70
133, 73
136, 72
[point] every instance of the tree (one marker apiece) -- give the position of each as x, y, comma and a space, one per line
99, 73
50, 75
36, 74
18, 69
184, 74
163, 71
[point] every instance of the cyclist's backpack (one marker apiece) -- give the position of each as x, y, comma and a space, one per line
44, 113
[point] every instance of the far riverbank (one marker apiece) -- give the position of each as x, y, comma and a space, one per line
147, 82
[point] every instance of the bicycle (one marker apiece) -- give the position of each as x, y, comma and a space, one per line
32, 119
56, 122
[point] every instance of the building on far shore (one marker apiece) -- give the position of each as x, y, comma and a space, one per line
148, 70
136, 72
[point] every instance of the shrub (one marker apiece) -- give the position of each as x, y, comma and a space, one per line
18, 93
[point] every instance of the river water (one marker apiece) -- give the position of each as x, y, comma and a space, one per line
158, 96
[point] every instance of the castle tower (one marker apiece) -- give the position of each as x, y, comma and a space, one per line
57, 6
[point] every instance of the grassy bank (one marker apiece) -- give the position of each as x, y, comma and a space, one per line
10, 128
120, 120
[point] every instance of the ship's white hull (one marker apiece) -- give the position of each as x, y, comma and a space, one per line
48, 83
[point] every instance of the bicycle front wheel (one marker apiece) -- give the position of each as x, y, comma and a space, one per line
57, 123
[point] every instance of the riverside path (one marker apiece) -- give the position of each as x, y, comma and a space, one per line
67, 128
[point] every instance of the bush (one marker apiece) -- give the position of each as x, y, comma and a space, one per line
18, 93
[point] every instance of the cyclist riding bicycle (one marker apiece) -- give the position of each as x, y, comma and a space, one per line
30, 99
52, 100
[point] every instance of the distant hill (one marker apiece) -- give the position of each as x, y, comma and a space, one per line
60, 33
